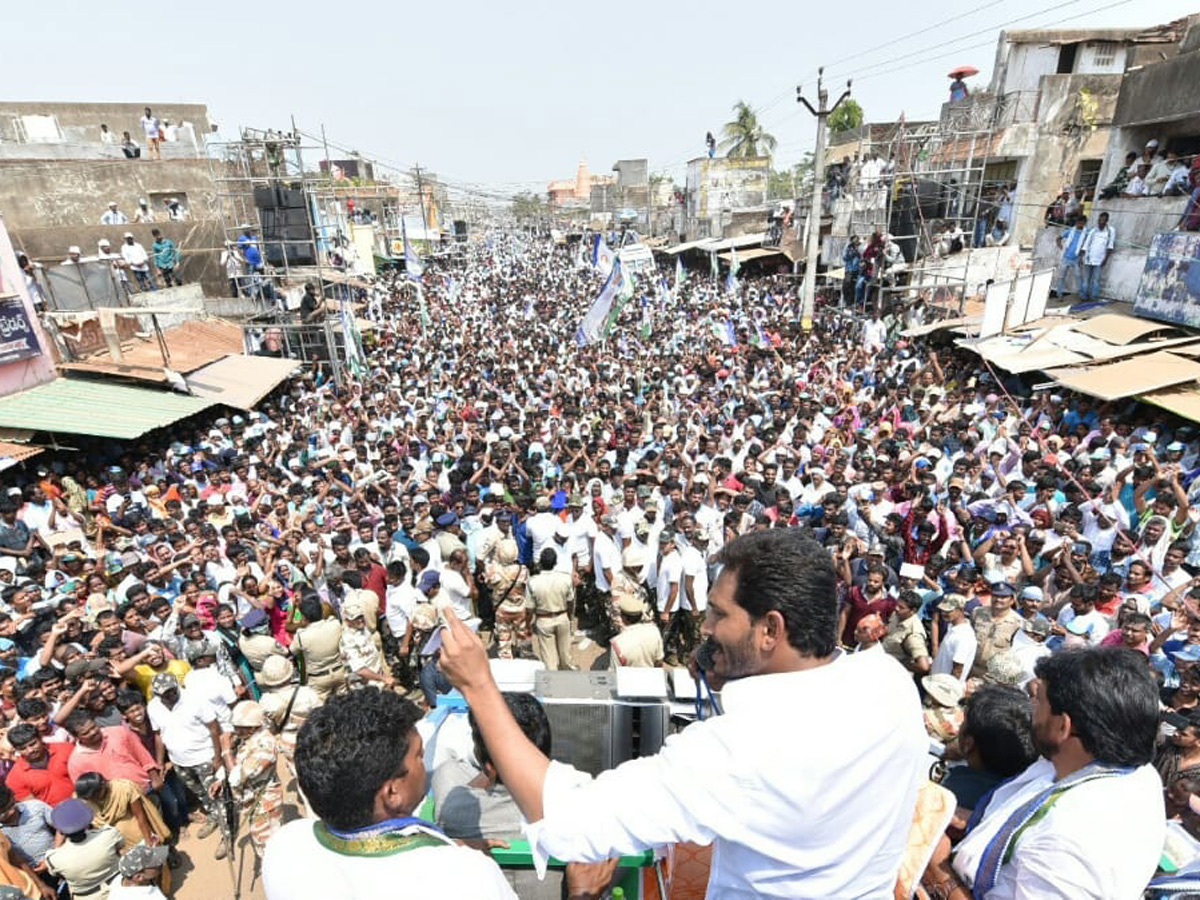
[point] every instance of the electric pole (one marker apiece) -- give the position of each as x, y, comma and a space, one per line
818, 177
421, 201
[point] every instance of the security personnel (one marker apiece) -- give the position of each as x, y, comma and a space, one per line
640, 642
318, 648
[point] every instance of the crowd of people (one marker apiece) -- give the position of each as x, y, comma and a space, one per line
878, 518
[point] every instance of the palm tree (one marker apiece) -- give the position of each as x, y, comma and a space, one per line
744, 136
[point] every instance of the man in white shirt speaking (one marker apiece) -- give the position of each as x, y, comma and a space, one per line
806, 785
1085, 821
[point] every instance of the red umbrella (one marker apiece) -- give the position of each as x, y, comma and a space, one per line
963, 72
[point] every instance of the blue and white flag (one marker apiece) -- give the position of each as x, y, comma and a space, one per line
724, 332
679, 274
602, 256
731, 282
599, 318
413, 267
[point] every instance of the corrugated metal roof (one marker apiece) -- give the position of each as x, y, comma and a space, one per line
104, 409
240, 380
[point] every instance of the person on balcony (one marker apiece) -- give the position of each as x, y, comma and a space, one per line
1097, 247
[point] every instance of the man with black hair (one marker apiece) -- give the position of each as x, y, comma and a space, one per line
996, 740
778, 779
318, 646
548, 598
1084, 821
360, 763
41, 768
470, 799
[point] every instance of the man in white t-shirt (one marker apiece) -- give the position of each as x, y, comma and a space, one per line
458, 586
541, 526
956, 654
152, 128
669, 587
191, 736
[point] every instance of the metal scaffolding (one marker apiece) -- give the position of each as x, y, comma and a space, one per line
934, 188
266, 170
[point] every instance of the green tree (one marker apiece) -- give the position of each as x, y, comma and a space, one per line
846, 117
790, 183
745, 136
527, 205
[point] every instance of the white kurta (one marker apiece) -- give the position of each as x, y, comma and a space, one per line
1100, 840
806, 786
297, 867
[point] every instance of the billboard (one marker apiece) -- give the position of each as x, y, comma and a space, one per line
1170, 287
17, 339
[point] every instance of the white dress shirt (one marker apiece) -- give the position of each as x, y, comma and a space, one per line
806, 786
1101, 839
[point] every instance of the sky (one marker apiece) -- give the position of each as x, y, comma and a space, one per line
507, 96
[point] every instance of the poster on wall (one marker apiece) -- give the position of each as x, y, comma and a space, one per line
17, 340
1170, 287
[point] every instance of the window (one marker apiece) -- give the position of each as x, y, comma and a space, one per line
1066, 58
1087, 176
1104, 54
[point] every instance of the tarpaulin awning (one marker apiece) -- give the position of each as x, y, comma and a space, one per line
1118, 329
941, 325
716, 245
1137, 375
1184, 401
239, 380
752, 253
100, 408
689, 245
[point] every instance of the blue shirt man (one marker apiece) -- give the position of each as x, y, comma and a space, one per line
249, 247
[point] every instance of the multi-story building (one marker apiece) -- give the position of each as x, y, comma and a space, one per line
722, 191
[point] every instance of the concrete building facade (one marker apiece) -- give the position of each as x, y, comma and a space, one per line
57, 177
720, 188
1156, 102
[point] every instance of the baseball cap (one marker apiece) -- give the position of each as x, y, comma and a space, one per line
1188, 653
429, 580
163, 683
952, 602
1039, 626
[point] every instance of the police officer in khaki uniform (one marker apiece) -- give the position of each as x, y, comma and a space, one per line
640, 642
548, 597
905, 639
318, 644
255, 641
995, 626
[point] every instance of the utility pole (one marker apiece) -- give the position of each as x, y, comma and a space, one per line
818, 175
421, 201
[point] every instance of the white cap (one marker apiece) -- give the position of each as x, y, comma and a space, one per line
73, 249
